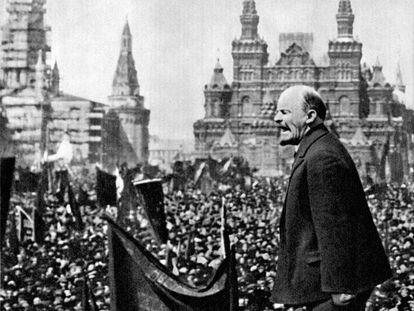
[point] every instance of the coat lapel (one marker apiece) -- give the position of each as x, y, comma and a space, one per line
312, 136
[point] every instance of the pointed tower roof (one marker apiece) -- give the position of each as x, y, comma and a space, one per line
55, 70
399, 84
126, 31
364, 67
377, 64
359, 138
40, 65
249, 20
125, 81
345, 20
218, 81
377, 75
227, 139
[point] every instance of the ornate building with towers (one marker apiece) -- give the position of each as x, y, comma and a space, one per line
125, 135
37, 113
366, 112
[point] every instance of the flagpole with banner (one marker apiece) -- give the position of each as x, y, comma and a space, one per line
138, 281
153, 204
6, 180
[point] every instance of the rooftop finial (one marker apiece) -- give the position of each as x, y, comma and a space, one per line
345, 19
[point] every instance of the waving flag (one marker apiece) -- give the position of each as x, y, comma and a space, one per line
139, 281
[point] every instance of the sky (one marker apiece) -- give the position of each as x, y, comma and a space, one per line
176, 45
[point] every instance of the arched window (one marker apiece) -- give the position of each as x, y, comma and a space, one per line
345, 105
247, 106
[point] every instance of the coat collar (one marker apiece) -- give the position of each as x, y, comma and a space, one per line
313, 135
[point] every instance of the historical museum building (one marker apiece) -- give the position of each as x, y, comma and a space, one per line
37, 112
366, 112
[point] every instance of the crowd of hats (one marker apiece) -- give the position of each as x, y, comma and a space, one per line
393, 214
51, 275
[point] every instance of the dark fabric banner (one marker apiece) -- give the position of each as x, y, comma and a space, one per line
26, 181
6, 179
13, 238
105, 188
153, 203
138, 281
74, 206
62, 183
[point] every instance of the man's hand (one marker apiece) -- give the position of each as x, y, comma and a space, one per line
342, 299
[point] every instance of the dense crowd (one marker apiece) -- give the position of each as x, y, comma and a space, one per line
51, 275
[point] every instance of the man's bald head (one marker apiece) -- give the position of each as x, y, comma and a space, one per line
307, 96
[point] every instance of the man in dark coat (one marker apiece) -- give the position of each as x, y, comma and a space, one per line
331, 256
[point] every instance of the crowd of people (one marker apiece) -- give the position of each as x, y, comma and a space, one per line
52, 274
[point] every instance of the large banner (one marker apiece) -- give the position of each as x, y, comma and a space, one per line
6, 179
105, 188
139, 282
153, 204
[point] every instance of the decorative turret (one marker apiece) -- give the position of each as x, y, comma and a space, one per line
249, 48
218, 80
129, 119
366, 72
345, 52
125, 81
217, 94
55, 83
345, 19
378, 78
249, 20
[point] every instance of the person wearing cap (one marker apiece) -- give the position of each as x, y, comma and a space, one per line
330, 254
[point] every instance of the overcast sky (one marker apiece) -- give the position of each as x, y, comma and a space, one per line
176, 44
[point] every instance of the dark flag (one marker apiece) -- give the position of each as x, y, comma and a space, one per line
13, 238
74, 206
88, 298
138, 281
128, 200
83, 197
62, 182
26, 181
153, 203
6, 179
105, 188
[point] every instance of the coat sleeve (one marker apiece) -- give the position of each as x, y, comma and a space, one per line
330, 203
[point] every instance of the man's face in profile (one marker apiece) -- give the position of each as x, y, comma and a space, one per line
290, 118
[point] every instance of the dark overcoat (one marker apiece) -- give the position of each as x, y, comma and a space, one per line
328, 241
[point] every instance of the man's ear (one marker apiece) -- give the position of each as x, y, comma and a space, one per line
311, 116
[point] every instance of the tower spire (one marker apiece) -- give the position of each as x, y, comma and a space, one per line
399, 84
345, 19
40, 69
249, 20
55, 83
125, 81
